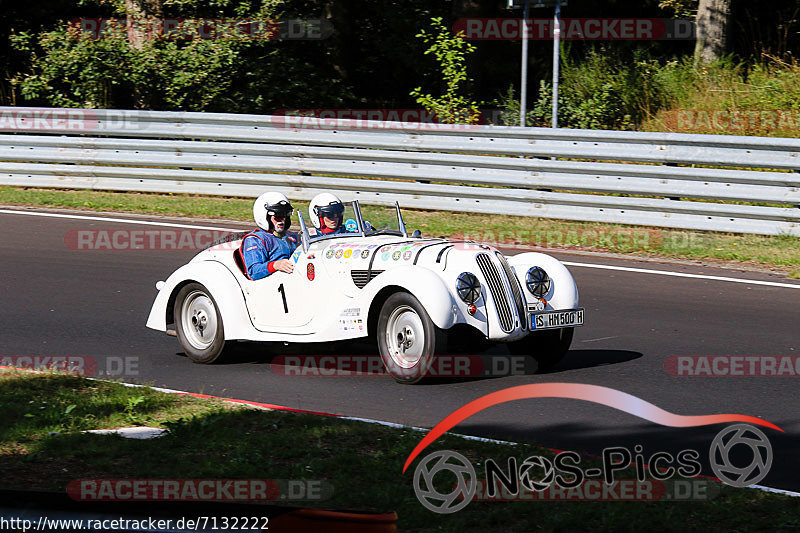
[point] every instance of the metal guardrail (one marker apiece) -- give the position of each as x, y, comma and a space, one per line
656, 179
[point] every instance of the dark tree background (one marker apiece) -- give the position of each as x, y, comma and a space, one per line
372, 59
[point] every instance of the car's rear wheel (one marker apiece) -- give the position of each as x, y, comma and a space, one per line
407, 338
198, 324
548, 347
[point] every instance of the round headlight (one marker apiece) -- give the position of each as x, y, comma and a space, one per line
538, 282
468, 287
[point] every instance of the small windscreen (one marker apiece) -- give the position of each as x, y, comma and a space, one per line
333, 222
376, 221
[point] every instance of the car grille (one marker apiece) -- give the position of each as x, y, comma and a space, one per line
492, 277
516, 289
362, 277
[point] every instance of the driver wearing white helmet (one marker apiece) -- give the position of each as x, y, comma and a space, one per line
267, 249
326, 212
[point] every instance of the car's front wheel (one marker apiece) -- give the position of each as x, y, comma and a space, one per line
548, 347
198, 324
407, 338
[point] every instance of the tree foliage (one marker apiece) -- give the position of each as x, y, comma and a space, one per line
71, 68
360, 65
371, 60
681, 9
450, 51
75, 72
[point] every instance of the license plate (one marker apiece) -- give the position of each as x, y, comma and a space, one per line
557, 319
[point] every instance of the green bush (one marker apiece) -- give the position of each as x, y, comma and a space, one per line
725, 85
603, 91
607, 91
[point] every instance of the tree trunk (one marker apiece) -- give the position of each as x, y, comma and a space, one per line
340, 45
713, 18
139, 15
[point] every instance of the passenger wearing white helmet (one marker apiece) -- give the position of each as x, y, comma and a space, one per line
267, 249
326, 212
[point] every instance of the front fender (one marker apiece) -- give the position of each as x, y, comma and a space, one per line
426, 285
564, 292
223, 287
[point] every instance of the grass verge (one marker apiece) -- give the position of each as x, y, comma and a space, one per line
780, 252
41, 446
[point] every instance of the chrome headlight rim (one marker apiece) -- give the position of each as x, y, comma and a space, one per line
468, 287
538, 282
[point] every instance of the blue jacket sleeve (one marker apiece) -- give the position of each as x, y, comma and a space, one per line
257, 258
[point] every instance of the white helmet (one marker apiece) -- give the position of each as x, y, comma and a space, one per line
324, 204
270, 203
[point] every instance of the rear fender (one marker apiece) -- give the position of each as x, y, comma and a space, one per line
223, 287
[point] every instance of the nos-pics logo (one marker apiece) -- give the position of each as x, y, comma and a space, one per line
445, 481
539, 473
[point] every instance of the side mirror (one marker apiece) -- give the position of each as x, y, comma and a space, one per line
417, 234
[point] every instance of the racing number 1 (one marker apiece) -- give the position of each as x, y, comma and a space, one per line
283, 295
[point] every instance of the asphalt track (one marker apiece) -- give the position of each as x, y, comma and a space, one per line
61, 302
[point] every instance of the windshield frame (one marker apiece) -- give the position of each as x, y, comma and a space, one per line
309, 239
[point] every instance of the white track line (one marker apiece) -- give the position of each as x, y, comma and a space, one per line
568, 263
685, 275
121, 220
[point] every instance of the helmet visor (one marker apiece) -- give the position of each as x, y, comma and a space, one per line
281, 209
331, 211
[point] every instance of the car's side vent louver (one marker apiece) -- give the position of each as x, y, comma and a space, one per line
362, 277
492, 276
516, 288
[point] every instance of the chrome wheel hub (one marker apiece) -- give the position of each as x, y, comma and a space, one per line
405, 337
199, 320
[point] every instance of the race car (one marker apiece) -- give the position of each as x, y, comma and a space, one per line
404, 291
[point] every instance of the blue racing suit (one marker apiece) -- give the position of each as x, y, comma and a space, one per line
260, 250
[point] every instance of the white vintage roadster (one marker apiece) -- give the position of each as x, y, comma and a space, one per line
406, 292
